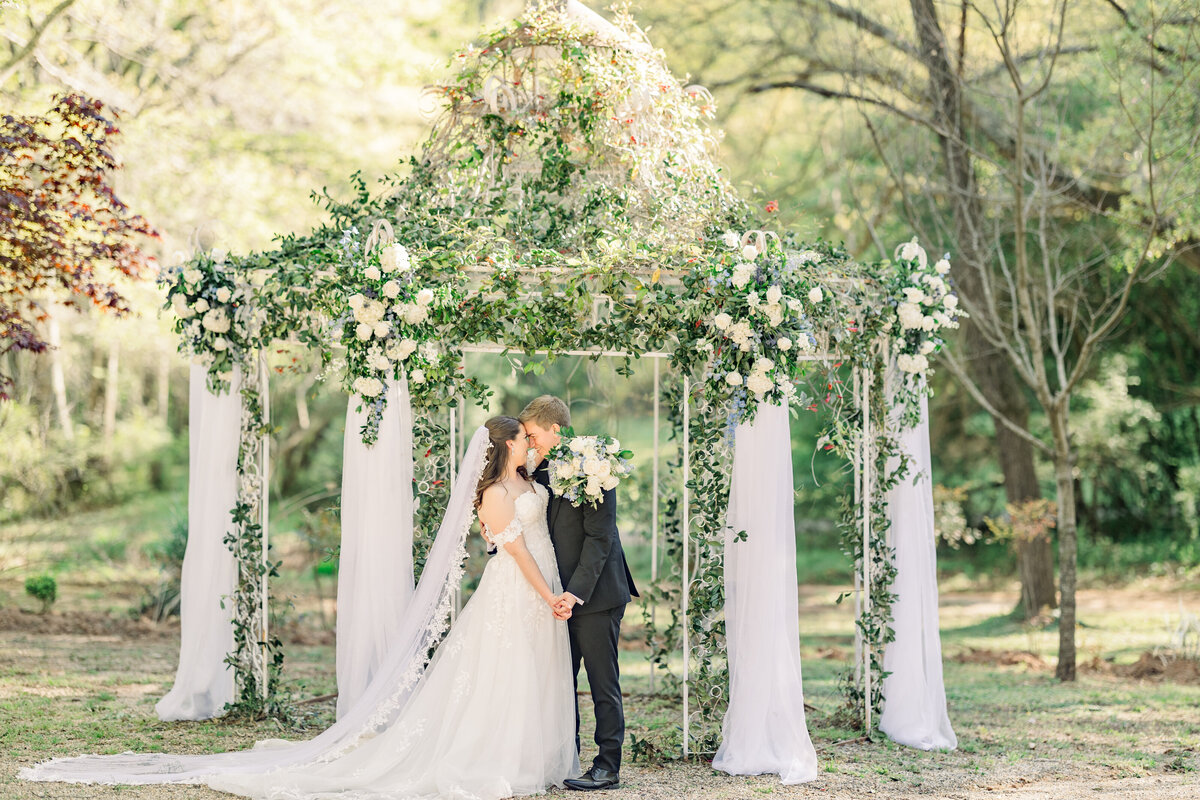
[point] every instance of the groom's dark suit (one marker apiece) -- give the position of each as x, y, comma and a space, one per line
592, 566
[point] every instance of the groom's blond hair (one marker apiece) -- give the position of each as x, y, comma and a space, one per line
547, 410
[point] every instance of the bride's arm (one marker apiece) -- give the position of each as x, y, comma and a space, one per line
498, 512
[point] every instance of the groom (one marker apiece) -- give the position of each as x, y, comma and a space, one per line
596, 586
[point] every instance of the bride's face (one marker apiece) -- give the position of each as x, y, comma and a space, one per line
518, 447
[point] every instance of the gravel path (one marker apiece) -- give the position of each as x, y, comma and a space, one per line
1029, 780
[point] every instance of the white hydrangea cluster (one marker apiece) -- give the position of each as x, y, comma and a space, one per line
927, 307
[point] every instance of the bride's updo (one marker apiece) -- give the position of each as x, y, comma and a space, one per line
501, 430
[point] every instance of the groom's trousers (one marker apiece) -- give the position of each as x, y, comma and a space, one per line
594, 641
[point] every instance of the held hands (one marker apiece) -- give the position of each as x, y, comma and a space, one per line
562, 605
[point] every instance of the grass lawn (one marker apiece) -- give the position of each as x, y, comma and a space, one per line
67, 687
1021, 733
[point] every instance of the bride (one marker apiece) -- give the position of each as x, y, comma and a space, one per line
491, 716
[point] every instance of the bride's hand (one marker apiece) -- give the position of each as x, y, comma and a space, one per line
559, 610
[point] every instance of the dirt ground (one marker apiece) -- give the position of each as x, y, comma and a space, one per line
1129, 728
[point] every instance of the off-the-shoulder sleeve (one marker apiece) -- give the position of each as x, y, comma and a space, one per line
509, 534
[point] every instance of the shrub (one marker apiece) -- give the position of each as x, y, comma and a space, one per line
43, 588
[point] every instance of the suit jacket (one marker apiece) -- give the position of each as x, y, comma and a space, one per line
591, 561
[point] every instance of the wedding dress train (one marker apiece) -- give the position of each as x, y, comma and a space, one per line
491, 716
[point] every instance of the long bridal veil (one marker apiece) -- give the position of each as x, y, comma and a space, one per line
424, 622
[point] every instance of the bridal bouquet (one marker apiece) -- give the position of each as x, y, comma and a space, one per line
582, 468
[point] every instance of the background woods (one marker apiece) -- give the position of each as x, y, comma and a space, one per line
1049, 147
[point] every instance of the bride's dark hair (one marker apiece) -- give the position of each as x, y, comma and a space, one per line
501, 430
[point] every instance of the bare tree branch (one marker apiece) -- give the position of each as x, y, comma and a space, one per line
25, 52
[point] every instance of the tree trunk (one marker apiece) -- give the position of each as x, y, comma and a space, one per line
110, 392
990, 370
1065, 481
57, 379
164, 385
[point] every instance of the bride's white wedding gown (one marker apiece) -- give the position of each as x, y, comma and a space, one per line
491, 716
494, 714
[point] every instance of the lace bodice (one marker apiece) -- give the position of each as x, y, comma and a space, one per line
530, 522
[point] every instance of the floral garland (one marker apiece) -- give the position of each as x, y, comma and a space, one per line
214, 314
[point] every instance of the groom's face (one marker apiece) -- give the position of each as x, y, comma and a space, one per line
543, 440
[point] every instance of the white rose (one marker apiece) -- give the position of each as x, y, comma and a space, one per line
192, 276
815, 295
740, 333
749, 252
764, 365
786, 388
372, 273
382, 329
415, 315
216, 321
593, 487
733, 379
180, 306
742, 275
731, 239
391, 290
927, 347
942, 266
591, 466
951, 302
224, 295
565, 470
424, 297
609, 482
722, 321
912, 364
394, 257
759, 384
910, 316
774, 314
364, 332
911, 251
774, 294
368, 387
913, 294
928, 323
201, 306
220, 343
784, 343
614, 446
218, 255
417, 377
356, 301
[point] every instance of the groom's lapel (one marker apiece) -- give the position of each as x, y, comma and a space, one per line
556, 504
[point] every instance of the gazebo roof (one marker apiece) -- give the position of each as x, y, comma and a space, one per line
561, 128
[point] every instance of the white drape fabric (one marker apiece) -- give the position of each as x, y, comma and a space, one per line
764, 730
424, 621
375, 567
914, 695
203, 681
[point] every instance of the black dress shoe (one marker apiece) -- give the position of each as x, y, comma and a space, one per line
594, 778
